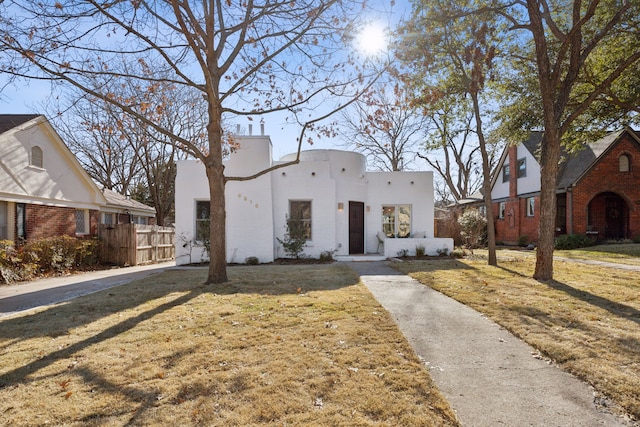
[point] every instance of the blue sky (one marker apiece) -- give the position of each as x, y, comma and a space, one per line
27, 97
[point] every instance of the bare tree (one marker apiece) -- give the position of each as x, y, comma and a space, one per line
452, 149
246, 58
384, 127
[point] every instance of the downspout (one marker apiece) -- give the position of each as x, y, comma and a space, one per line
569, 191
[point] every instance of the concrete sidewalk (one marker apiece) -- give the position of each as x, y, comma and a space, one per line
489, 376
42, 292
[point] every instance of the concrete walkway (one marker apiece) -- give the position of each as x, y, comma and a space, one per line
42, 292
489, 376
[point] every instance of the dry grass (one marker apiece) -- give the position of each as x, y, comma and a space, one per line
278, 345
587, 320
623, 253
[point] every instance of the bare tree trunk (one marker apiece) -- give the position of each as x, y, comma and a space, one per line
549, 159
486, 182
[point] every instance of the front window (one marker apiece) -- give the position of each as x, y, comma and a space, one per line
531, 203
203, 219
506, 173
502, 208
300, 218
81, 222
396, 220
522, 168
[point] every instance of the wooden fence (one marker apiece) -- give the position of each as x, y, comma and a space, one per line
135, 244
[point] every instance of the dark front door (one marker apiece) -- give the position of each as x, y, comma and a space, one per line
356, 227
615, 218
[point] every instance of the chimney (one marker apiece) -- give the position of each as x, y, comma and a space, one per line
262, 129
238, 130
250, 129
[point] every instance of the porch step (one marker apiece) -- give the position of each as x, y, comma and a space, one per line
360, 257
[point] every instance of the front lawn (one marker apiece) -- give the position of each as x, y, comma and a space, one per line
277, 345
587, 320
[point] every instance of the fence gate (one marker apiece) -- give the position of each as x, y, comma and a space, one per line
135, 244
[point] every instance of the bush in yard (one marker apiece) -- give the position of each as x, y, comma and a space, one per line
473, 228
573, 241
252, 260
420, 251
294, 239
54, 255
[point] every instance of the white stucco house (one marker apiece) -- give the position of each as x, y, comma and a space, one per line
345, 209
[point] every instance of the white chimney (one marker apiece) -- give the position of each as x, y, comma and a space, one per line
250, 129
262, 129
238, 130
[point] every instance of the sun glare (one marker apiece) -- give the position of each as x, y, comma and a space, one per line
372, 40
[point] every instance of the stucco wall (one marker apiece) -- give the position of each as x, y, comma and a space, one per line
257, 209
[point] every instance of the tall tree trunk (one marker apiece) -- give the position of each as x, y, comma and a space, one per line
486, 182
549, 167
218, 214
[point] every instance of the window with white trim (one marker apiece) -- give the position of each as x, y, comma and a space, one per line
531, 205
107, 218
203, 220
501, 209
36, 157
396, 220
82, 221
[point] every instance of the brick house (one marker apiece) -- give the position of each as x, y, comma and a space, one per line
45, 192
598, 192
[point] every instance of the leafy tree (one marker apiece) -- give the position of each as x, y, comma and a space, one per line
382, 127
582, 61
245, 58
452, 57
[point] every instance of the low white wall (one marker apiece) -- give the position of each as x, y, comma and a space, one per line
394, 247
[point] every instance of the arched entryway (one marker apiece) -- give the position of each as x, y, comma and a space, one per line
609, 214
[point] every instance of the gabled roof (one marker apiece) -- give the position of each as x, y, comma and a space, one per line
118, 200
578, 164
9, 121
575, 165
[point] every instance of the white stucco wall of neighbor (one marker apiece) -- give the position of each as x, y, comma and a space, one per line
257, 209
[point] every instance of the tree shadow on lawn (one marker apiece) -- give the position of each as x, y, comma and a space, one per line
618, 309
58, 320
432, 264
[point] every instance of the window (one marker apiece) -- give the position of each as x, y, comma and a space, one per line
203, 219
531, 203
300, 218
396, 220
81, 222
522, 168
107, 218
141, 220
21, 220
624, 163
36, 157
4, 232
506, 173
502, 208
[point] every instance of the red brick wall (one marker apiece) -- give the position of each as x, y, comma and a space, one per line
606, 177
49, 221
516, 223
